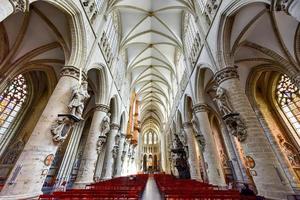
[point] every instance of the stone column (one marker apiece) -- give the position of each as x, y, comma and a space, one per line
66, 166
192, 157
126, 146
90, 155
120, 158
30, 171
8, 7
212, 166
109, 157
266, 172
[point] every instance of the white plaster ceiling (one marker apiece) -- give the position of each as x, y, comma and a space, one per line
151, 37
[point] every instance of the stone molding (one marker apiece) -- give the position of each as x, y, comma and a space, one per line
225, 74
114, 126
72, 72
20, 5
200, 107
102, 107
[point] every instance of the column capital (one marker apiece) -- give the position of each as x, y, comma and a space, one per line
114, 126
225, 74
102, 107
20, 5
73, 72
200, 107
187, 125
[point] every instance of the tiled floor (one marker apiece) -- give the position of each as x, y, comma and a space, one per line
151, 191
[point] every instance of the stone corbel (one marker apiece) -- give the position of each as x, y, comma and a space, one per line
236, 126
284, 5
62, 127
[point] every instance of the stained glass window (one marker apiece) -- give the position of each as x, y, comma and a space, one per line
288, 97
11, 101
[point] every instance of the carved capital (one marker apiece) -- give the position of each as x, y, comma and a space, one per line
20, 5
225, 74
201, 107
102, 107
114, 126
72, 72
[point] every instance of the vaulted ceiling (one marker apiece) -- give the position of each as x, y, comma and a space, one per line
151, 38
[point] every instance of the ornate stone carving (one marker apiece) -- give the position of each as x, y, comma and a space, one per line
114, 126
73, 72
290, 151
236, 126
115, 152
233, 120
201, 107
222, 101
102, 107
105, 125
20, 5
187, 125
61, 128
79, 97
198, 134
225, 74
101, 143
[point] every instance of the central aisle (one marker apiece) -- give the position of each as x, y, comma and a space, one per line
151, 191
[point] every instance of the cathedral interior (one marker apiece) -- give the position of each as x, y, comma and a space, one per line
206, 91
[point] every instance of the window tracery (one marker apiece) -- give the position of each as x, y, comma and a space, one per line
288, 97
11, 101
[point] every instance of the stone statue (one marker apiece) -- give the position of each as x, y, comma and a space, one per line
182, 137
78, 99
223, 159
100, 143
61, 128
222, 101
195, 124
290, 151
105, 125
115, 152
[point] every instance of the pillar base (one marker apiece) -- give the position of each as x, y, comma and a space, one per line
21, 196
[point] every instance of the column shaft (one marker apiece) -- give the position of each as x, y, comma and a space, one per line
266, 173
29, 173
90, 155
212, 161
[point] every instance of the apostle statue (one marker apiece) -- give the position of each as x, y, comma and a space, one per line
105, 125
222, 101
78, 99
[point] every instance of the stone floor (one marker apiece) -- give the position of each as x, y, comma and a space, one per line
151, 191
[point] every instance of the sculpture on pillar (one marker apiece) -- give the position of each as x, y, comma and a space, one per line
101, 143
222, 101
198, 134
233, 120
105, 125
290, 151
79, 96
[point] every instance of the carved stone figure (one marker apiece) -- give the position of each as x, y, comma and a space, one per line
105, 125
236, 126
222, 101
290, 151
100, 143
78, 99
182, 137
223, 159
115, 152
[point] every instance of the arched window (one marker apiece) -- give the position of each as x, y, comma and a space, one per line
150, 137
155, 139
11, 102
288, 97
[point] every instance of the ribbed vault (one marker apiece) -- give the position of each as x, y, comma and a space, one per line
151, 38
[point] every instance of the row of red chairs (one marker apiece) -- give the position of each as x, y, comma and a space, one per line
172, 188
118, 188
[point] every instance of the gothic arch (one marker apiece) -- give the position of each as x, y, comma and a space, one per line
204, 77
